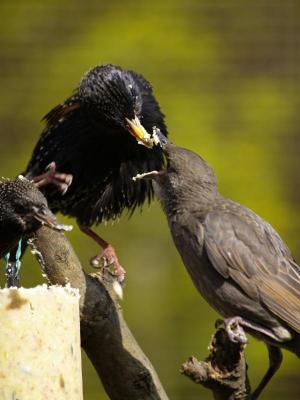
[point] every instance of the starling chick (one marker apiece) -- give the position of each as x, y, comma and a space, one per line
236, 260
23, 209
91, 140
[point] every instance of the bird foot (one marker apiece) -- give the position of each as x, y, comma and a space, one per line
234, 329
108, 259
51, 176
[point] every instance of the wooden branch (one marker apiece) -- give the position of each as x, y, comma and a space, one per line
224, 371
125, 371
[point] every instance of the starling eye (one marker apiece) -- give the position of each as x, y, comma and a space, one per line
43, 209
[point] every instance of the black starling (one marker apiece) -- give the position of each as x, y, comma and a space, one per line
90, 138
236, 260
23, 209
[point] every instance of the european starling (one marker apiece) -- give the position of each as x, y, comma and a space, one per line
91, 139
23, 209
236, 260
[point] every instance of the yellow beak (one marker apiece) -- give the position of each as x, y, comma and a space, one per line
139, 132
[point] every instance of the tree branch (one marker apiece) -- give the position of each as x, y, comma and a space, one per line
224, 371
125, 371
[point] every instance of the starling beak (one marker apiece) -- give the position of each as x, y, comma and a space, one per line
236, 260
46, 217
157, 139
139, 132
89, 139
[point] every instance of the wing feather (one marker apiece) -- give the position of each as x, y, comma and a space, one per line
245, 248
61, 111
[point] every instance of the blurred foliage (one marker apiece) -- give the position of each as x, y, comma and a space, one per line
226, 74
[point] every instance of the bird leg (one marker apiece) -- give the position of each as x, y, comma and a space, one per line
107, 256
51, 176
233, 327
275, 359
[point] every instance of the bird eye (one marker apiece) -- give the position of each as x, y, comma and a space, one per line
43, 209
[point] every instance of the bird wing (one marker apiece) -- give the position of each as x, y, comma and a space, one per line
59, 137
245, 248
61, 111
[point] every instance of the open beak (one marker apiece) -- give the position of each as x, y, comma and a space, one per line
46, 217
139, 132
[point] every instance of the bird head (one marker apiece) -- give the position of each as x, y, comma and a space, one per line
23, 208
186, 176
117, 96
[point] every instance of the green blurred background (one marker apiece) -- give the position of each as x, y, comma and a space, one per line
226, 75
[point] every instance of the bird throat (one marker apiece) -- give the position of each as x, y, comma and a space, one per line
177, 196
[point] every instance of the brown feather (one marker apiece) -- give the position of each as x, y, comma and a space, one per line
60, 111
255, 257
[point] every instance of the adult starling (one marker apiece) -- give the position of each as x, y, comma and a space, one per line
23, 209
90, 138
236, 260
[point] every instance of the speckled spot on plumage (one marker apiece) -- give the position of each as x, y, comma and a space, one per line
19, 191
17, 199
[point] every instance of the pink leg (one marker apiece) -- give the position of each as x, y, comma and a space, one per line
51, 176
107, 256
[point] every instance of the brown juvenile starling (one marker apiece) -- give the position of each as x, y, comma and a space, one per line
236, 260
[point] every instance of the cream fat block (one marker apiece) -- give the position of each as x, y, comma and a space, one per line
40, 357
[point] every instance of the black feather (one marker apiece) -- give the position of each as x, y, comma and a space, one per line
87, 136
17, 219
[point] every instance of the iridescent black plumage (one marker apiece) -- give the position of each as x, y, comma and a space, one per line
19, 203
88, 137
23, 209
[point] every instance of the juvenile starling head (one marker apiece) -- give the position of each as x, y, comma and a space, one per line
185, 177
180, 159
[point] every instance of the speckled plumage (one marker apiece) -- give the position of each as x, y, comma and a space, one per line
87, 136
18, 199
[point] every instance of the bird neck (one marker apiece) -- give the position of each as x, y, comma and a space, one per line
194, 198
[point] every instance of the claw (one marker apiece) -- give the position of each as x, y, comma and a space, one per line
61, 180
236, 333
107, 256
108, 259
234, 329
